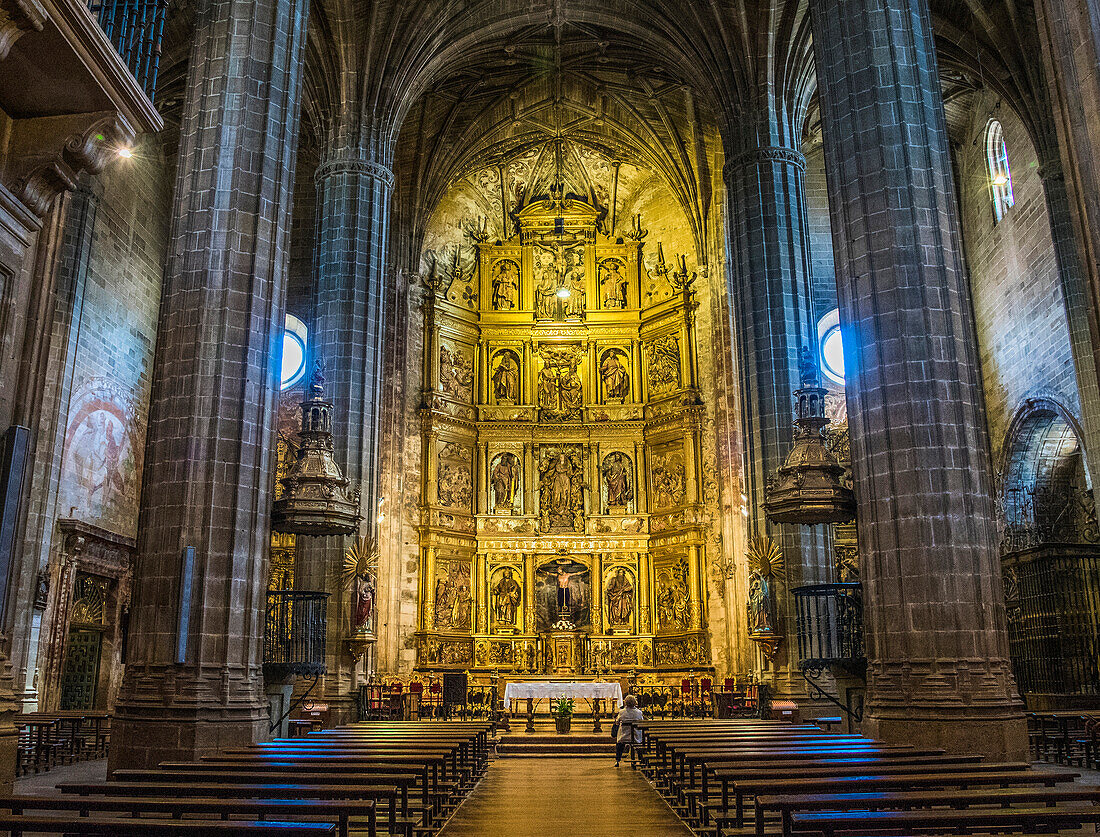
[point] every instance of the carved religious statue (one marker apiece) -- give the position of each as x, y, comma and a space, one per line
506, 379
360, 565
616, 478
613, 284
462, 607
616, 380
573, 281
561, 503
505, 285
547, 302
507, 595
560, 392
620, 599
505, 481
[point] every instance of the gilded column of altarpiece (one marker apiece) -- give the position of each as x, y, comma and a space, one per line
561, 518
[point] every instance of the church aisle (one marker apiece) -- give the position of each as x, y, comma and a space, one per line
563, 797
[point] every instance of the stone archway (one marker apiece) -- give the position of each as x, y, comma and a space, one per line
1050, 559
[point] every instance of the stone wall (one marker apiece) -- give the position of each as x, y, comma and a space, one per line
1019, 309
91, 433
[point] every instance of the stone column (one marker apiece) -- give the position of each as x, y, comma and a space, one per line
1075, 295
770, 260
938, 670
209, 452
353, 203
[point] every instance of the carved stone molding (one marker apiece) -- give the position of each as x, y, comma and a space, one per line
17, 17
353, 165
48, 154
765, 154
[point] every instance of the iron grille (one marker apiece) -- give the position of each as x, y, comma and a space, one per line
294, 633
135, 27
830, 625
1053, 598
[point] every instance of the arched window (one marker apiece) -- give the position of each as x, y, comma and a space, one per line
294, 352
1000, 175
831, 346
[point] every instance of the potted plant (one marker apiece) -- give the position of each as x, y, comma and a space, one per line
562, 710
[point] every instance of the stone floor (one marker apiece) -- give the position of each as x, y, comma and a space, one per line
561, 798
45, 784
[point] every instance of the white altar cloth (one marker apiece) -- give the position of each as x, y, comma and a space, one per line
553, 689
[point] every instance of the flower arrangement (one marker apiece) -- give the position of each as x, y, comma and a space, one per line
562, 707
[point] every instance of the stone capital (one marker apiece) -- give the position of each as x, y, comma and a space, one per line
335, 166
765, 154
17, 17
1051, 169
49, 153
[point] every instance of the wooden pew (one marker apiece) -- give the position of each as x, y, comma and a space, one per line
1020, 820
785, 805
16, 825
336, 811
396, 821
990, 776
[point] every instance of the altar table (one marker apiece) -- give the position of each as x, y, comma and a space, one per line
554, 689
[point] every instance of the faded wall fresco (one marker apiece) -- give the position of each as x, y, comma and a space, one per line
101, 460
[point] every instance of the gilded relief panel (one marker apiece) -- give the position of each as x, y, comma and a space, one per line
454, 478
452, 596
560, 386
673, 598
456, 371
667, 476
663, 365
561, 488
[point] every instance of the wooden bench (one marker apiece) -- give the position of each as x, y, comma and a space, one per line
396, 819
742, 787
786, 805
1028, 820
16, 825
337, 811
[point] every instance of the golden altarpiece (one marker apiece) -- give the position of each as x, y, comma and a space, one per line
562, 528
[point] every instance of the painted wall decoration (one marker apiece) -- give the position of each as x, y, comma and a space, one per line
456, 373
614, 284
560, 391
673, 610
563, 595
668, 477
505, 281
664, 364
561, 488
455, 479
617, 474
505, 377
102, 455
505, 477
615, 375
453, 599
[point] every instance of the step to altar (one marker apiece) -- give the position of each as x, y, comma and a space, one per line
551, 745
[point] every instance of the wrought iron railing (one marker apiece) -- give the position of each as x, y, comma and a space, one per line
135, 27
1053, 598
294, 633
830, 625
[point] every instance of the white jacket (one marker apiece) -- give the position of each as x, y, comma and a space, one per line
626, 715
